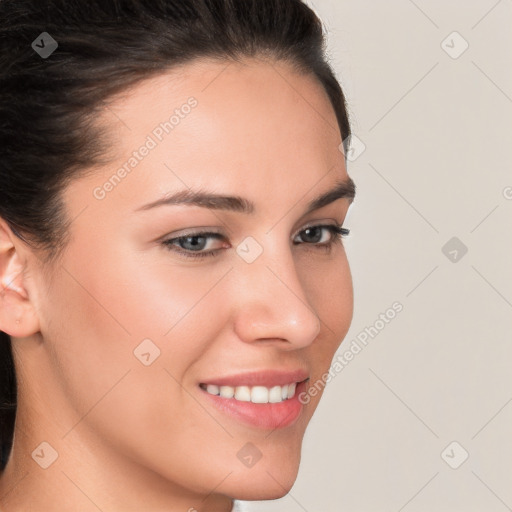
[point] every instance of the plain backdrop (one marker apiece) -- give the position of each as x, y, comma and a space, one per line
420, 419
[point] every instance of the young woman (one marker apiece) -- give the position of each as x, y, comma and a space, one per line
173, 280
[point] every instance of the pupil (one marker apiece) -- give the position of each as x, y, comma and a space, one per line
309, 230
193, 241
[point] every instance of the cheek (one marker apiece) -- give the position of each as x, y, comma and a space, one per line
104, 305
330, 292
136, 295
99, 314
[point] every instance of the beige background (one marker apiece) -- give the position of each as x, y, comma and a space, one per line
437, 164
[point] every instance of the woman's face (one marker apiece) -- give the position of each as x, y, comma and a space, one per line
133, 329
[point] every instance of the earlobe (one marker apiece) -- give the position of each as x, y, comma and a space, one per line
17, 312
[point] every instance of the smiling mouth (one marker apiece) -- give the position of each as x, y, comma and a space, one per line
254, 394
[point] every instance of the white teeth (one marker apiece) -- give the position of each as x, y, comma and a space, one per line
259, 395
255, 394
274, 395
212, 389
226, 391
243, 393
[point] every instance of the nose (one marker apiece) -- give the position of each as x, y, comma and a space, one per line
272, 304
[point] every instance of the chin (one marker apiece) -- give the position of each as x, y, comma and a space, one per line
266, 481
265, 488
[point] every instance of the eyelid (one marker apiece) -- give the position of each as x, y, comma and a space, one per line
337, 232
202, 231
193, 232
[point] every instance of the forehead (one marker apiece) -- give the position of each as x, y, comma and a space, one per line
239, 105
248, 127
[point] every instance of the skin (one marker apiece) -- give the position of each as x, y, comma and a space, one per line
133, 437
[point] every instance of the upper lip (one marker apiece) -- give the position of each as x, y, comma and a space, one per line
267, 378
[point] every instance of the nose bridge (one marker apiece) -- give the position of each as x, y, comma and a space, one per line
272, 303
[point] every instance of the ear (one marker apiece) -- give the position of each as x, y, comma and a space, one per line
18, 316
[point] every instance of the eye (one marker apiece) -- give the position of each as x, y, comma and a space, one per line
316, 234
199, 245
194, 243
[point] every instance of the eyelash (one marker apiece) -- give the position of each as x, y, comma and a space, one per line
338, 233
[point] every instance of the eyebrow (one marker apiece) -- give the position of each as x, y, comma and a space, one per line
342, 189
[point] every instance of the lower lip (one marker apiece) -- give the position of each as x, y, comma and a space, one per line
270, 416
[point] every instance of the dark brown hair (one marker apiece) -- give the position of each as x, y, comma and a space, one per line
48, 103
